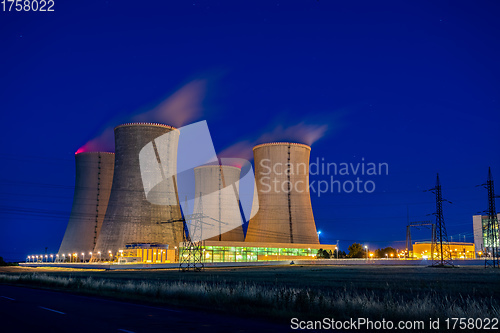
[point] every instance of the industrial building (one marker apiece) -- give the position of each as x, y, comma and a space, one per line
458, 250
223, 251
131, 218
150, 253
284, 204
126, 205
480, 225
217, 198
94, 176
214, 251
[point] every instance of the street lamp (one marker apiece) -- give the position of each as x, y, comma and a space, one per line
99, 253
64, 257
337, 248
386, 256
52, 257
366, 249
83, 256
70, 257
46, 258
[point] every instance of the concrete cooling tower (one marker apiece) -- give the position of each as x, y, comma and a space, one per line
131, 217
94, 175
284, 205
218, 187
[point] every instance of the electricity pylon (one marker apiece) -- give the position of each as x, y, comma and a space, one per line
443, 258
491, 242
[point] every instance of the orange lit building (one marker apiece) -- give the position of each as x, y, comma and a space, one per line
147, 253
458, 250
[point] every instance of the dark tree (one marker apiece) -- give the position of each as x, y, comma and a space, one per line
323, 254
356, 251
380, 253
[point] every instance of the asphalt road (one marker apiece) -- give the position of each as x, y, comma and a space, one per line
34, 310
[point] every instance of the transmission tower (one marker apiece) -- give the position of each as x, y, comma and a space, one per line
491, 241
442, 245
418, 225
191, 253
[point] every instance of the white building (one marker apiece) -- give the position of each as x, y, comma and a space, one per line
480, 224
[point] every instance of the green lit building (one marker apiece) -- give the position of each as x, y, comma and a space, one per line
221, 251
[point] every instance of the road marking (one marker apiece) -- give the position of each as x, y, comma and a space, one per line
8, 298
51, 310
122, 330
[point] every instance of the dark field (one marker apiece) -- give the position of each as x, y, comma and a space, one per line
390, 292
475, 281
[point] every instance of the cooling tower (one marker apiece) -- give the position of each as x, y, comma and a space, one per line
131, 217
284, 205
218, 187
94, 175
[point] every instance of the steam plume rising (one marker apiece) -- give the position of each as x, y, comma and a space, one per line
300, 133
104, 142
242, 149
181, 108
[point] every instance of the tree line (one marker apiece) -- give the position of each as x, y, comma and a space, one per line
356, 250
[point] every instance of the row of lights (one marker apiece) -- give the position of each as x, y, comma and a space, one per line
36, 258
57, 257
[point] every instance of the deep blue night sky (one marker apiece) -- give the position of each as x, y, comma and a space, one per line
415, 85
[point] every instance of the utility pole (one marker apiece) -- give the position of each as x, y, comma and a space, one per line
191, 257
191, 253
408, 234
418, 225
443, 246
337, 249
491, 242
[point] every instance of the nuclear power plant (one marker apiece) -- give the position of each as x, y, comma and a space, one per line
217, 198
284, 205
94, 176
126, 205
130, 218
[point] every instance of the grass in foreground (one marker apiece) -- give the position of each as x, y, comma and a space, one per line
277, 300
